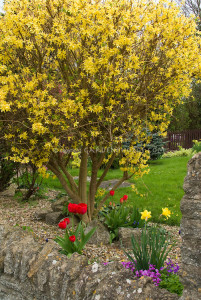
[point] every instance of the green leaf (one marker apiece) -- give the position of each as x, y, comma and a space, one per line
86, 238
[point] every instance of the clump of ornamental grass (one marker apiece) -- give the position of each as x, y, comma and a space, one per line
150, 254
154, 244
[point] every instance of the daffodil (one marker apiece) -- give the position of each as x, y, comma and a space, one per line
145, 215
166, 212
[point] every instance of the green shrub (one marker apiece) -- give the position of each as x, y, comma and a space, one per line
196, 146
7, 168
171, 283
29, 180
156, 146
121, 216
179, 153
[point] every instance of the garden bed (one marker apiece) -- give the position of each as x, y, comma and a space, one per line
15, 213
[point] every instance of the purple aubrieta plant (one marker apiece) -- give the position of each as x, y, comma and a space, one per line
152, 272
171, 267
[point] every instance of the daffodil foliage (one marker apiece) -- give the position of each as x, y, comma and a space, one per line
87, 75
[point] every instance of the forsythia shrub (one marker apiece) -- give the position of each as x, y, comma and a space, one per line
85, 75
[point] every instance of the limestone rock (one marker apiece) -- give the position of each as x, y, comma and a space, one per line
74, 221
110, 183
32, 271
58, 204
125, 235
191, 231
41, 214
53, 218
101, 235
10, 191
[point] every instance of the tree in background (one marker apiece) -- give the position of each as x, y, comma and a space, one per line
187, 114
86, 75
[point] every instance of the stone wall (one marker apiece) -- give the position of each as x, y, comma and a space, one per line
191, 231
31, 271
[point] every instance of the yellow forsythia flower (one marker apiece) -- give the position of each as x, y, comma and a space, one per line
166, 212
145, 215
4, 106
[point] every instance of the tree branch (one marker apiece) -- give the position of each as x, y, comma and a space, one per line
106, 170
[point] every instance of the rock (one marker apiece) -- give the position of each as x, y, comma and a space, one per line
10, 191
59, 204
41, 214
125, 235
108, 185
101, 235
191, 231
73, 221
77, 178
53, 218
32, 271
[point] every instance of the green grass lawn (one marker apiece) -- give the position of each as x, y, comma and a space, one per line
162, 187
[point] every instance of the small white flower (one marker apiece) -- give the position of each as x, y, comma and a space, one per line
94, 267
119, 290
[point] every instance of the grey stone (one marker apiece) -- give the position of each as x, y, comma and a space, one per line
74, 221
77, 178
35, 272
10, 191
191, 231
58, 204
41, 214
108, 185
53, 218
101, 235
125, 235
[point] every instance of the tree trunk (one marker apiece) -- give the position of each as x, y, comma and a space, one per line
82, 187
55, 169
93, 184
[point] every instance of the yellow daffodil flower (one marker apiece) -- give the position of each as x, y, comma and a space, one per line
145, 215
166, 212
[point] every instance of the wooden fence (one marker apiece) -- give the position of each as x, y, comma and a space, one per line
184, 139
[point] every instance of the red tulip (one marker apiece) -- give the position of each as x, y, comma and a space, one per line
82, 208
121, 200
111, 193
125, 197
72, 208
62, 225
67, 220
72, 238
110, 203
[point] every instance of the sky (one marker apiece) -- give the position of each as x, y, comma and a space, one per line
1, 5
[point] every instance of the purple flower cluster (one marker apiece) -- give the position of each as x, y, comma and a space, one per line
151, 272
129, 265
171, 267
